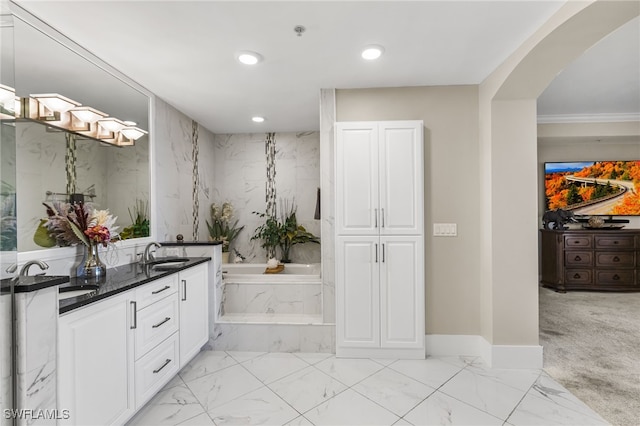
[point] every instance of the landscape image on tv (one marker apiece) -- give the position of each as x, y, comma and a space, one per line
593, 187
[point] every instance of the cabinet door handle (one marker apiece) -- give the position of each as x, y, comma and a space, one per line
376, 252
577, 259
162, 366
382, 253
161, 322
134, 315
616, 259
616, 277
576, 276
382, 219
184, 288
375, 218
167, 287
615, 242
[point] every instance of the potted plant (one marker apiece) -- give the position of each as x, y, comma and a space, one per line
290, 232
140, 226
268, 233
221, 228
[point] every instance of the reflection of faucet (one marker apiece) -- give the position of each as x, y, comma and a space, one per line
25, 268
12, 268
148, 256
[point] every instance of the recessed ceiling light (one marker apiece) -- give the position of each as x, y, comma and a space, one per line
372, 52
249, 58
257, 119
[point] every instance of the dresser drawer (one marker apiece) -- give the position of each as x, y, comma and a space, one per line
626, 278
578, 258
155, 323
156, 290
616, 259
578, 276
577, 241
614, 241
155, 369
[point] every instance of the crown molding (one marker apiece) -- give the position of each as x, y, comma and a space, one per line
588, 118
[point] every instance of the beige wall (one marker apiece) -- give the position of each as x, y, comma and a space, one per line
452, 191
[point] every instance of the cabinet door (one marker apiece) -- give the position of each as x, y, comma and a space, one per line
401, 178
401, 292
194, 314
357, 178
357, 292
95, 363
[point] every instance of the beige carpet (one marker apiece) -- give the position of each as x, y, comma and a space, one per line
591, 346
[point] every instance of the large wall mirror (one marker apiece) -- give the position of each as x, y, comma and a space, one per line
48, 161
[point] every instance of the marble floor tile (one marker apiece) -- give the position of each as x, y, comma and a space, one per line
169, 407
200, 420
349, 371
223, 386
206, 362
431, 371
534, 410
307, 388
242, 356
485, 393
176, 381
394, 391
313, 357
299, 421
518, 379
273, 366
350, 408
260, 407
441, 409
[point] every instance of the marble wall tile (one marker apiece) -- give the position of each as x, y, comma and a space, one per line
327, 119
274, 338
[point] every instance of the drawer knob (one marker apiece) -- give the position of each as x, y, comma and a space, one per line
616, 259
578, 259
576, 275
615, 242
616, 277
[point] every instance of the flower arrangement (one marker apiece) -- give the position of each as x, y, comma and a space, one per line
70, 224
221, 229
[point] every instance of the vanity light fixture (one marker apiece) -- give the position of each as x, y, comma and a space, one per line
7, 102
257, 119
111, 124
87, 114
249, 58
56, 102
129, 123
6, 93
133, 134
371, 52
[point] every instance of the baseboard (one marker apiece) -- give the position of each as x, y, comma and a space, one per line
495, 356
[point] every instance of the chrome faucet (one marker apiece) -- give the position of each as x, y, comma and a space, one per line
148, 255
25, 268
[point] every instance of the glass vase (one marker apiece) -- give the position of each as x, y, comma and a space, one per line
91, 268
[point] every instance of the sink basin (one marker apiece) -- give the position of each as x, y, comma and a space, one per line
75, 291
168, 263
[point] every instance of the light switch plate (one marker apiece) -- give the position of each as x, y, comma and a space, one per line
445, 229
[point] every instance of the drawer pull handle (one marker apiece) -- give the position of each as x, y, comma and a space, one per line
616, 259
167, 287
163, 366
376, 252
184, 293
616, 277
615, 242
134, 315
576, 276
161, 322
578, 259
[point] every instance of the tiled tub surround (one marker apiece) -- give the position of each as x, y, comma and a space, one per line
272, 312
251, 296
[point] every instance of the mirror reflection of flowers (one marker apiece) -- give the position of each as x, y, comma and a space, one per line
221, 227
79, 223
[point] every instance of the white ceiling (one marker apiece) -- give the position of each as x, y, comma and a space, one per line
184, 52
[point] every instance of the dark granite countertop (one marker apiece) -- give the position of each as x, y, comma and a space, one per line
190, 243
118, 280
32, 282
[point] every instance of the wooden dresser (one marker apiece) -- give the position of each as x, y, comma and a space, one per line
584, 259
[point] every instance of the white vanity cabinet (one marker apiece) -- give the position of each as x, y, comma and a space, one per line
379, 239
194, 312
96, 361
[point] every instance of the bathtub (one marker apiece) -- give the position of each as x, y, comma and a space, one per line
255, 272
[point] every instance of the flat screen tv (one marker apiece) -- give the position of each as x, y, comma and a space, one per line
594, 188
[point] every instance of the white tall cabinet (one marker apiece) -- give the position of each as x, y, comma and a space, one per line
380, 239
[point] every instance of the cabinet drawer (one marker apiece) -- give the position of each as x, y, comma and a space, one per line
616, 277
577, 241
578, 258
155, 323
156, 290
578, 276
613, 241
155, 369
616, 259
